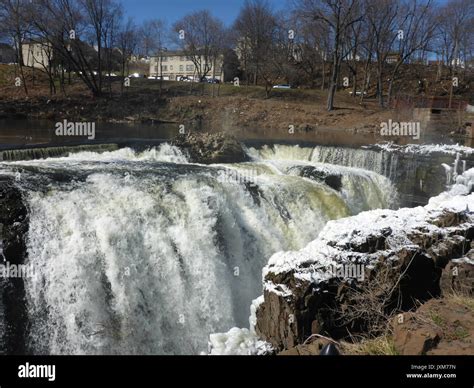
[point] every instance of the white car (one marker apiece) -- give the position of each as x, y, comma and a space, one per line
282, 86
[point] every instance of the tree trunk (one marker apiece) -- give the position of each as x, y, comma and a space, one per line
324, 76
380, 87
333, 84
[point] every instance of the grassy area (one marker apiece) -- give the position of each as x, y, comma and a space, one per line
452, 331
173, 88
167, 88
6, 75
460, 299
378, 346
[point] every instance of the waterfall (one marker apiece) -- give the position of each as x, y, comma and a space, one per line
146, 253
383, 163
49, 152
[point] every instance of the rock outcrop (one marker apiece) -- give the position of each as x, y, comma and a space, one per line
13, 229
439, 326
458, 276
322, 175
210, 148
378, 261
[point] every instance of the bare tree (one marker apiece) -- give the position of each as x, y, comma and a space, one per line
153, 40
455, 31
279, 60
255, 27
201, 38
311, 48
382, 16
339, 16
416, 28
152, 37
13, 23
127, 43
81, 33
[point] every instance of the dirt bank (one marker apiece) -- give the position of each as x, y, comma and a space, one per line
200, 107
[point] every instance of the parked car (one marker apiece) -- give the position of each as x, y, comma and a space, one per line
282, 86
358, 93
213, 81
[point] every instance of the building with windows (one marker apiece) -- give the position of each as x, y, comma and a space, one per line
175, 65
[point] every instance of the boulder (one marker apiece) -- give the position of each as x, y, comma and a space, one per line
208, 148
331, 179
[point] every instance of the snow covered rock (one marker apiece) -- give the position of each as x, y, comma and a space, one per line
307, 291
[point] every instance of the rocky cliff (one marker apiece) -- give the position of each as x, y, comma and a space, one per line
393, 259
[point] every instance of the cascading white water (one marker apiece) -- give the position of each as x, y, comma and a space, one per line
382, 163
149, 254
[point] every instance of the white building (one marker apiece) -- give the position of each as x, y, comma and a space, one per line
37, 54
175, 65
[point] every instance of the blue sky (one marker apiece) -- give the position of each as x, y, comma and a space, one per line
172, 10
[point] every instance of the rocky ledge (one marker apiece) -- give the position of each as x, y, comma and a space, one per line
363, 271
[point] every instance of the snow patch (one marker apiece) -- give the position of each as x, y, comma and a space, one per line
426, 149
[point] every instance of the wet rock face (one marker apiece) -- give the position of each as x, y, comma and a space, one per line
332, 180
13, 221
418, 174
14, 226
210, 148
296, 307
287, 321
